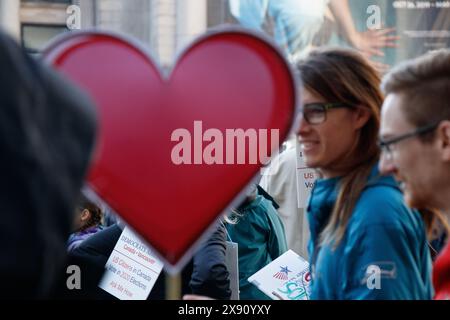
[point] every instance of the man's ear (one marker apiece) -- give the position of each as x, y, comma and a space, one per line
443, 133
361, 115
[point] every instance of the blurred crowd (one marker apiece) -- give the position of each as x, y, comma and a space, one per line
380, 146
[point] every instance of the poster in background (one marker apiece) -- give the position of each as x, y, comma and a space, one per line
385, 31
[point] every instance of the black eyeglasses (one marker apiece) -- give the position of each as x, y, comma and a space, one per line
316, 113
386, 145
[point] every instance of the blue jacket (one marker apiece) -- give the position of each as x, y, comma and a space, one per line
382, 232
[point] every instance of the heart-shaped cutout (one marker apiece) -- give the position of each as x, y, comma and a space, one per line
224, 81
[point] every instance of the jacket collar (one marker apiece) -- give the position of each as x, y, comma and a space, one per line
324, 194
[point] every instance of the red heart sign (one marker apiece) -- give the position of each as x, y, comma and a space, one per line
171, 153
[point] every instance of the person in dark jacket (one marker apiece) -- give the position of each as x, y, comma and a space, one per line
205, 274
47, 131
210, 276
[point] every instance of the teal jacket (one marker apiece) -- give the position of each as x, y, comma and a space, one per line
259, 233
381, 233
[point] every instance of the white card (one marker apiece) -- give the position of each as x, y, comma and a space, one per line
306, 178
285, 278
131, 270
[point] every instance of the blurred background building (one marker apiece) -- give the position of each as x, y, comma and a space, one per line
166, 26
163, 25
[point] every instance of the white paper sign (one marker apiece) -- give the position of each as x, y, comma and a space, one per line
285, 278
132, 269
306, 178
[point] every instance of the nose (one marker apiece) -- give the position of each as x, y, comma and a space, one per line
386, 165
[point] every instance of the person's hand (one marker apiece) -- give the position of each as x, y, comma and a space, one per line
370, 42
196, 297
381, 67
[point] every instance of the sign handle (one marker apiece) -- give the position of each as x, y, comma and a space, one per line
173, 286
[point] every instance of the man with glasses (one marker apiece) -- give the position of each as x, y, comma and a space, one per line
415, 140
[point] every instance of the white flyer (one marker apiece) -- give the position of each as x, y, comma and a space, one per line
132, 269
286, 278
306, 178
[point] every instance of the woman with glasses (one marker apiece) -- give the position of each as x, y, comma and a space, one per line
365, 242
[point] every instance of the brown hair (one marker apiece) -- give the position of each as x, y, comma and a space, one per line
95, 211
425, 81
343, 75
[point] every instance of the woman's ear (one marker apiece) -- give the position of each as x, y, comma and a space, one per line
85, 215
361, 115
